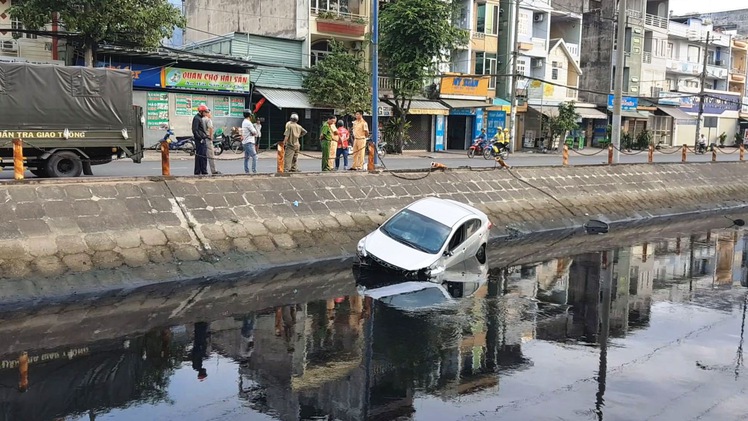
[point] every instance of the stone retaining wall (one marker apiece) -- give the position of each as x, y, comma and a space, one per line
95, 234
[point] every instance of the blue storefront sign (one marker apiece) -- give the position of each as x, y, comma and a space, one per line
713, 104
439, 133
627, 103
478, 123
496, 119
462, 111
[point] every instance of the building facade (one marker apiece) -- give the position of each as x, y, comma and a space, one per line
20, 46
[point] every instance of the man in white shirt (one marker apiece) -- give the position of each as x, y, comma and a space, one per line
249, 140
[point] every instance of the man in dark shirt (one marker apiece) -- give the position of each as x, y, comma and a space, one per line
201, 141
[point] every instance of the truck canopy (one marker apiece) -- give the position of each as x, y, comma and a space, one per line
48, 97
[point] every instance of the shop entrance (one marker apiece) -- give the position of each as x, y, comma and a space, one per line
457, 132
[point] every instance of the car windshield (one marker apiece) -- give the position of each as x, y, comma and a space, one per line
417, 231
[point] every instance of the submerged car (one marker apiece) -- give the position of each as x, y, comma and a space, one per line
426, 238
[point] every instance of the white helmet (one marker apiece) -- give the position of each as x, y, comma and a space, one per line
294, 117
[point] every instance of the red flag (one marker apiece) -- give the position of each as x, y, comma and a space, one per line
259, 105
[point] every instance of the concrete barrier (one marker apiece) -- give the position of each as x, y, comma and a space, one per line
92, 235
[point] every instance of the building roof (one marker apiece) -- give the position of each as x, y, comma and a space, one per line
559, 43
171, 54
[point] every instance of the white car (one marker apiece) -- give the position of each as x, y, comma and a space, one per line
426, 238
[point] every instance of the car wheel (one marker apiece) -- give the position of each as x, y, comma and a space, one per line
481, 254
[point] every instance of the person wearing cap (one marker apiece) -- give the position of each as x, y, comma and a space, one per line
249, 139
200, 136
291, 140
328, 141
211, 152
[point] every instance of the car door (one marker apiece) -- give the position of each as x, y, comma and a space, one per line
455, 255
473, 236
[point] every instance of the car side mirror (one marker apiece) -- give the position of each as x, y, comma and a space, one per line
448, 253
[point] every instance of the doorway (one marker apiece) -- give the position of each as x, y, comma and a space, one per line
457, 132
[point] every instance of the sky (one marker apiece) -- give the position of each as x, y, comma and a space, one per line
688, 6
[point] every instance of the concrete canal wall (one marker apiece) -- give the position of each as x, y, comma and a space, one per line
60, 237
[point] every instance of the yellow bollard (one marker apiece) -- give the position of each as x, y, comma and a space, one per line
281, 157
18, 159
165, 165
650, 157
714, 155
610, 154
684, 154
742, 152
23, 372
565, 156
372, 151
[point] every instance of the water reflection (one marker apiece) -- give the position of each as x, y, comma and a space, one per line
503, 337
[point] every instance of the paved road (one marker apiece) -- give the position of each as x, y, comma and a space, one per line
230, 163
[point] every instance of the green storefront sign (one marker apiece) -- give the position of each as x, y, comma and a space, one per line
157, 110
172, 77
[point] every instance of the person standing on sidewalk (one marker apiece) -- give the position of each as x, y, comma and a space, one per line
249, 134
200, 136
360, 133
342, 146
211, 151
291, 140
328, 135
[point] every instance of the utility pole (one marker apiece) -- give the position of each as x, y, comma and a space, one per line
702, 80
618, 83
515, 77
375, 76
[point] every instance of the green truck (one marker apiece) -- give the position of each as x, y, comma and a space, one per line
68, 118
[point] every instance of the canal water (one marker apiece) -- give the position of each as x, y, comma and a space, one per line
652, 331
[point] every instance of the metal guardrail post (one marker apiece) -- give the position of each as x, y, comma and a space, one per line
18, 169
372, 152
742, 152
714, 155
610, 154
23, 372
684, 154
165, 164
650, 156
565, 156
281, 157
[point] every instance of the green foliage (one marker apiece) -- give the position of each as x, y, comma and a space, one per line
415, 36
134, 23
564, 122
339, 81
738, 139
396, 131
643, 139
722, 138
627, 141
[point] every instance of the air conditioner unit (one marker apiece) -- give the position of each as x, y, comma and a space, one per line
10, 46
358, 46
538, 17
536, 63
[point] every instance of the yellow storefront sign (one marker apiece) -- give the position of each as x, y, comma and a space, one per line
465, 86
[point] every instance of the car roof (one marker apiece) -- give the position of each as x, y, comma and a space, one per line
447, 212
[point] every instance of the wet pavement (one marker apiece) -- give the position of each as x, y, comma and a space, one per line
652, 331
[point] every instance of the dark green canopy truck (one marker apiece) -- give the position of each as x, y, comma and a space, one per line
69, 118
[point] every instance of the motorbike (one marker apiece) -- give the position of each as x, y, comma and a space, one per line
234, 141
496, 150
182, 143
478, 146
220, 142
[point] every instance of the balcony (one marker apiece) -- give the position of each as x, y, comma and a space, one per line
656, 21
477, 35
740, 44
716, 72
573, 49
737, 78
340, 23
678, 29
386, 84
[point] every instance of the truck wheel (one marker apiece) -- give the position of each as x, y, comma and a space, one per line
64, 164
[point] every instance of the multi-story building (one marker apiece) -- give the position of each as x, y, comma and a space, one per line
687, 50
22, 46
646, 35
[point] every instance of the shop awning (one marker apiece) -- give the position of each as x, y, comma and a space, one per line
676, 113
286, 98
639, 115
590, 113
549, 111
427, 108
465, 103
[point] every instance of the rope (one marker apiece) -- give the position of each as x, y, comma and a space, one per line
676, 150
722, 151
542, 191
588, 154
628, 153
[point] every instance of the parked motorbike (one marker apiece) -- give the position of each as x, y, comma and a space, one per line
219, 142
496, 150
182, 143
234, 142
478, 146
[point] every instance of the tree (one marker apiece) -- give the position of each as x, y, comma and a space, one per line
561, 124
340, 81
415, 36
133, 23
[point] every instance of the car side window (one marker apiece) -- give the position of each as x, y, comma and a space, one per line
458, 237
473, 226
